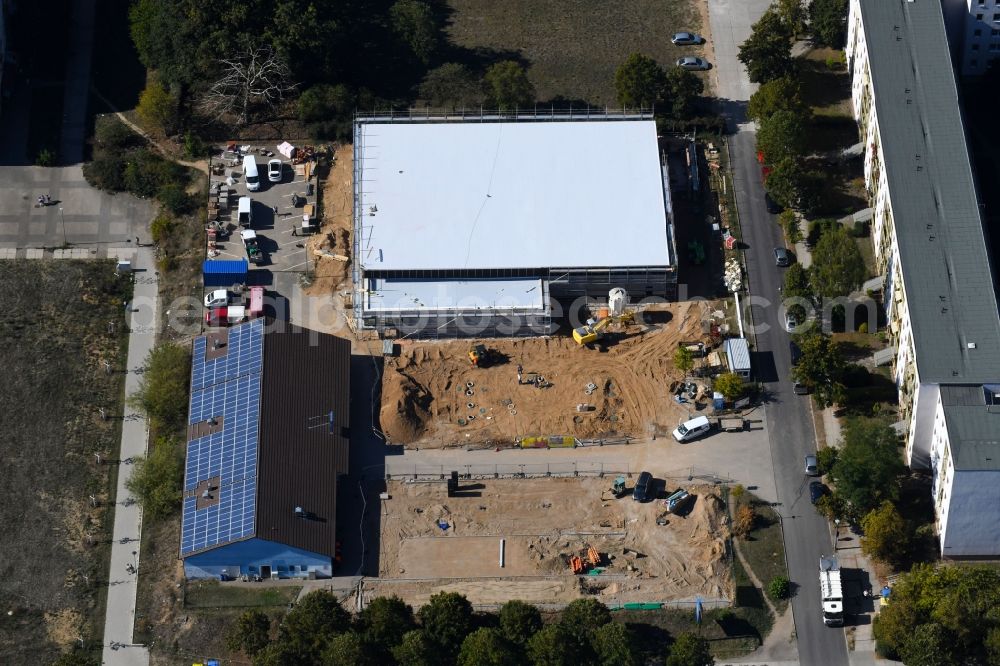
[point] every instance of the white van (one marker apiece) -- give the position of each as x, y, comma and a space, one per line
693, 428
245, 212
250, 173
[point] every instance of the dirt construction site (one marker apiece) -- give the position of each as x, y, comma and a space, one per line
432, 396
643, 553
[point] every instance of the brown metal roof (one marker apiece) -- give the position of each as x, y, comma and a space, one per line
306, 377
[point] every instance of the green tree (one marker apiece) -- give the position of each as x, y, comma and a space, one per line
820, 366
887, 536
781, 135
639, 81
414, 22
323, 100
583, 616
683, 360
786, 182
446, 621
767, 53
930, 645
277, 653
828, 21
166, 40
793, 13
451, 85
796, 282
157, 108
519, 621
349, 648
157, 479
163, 389
779, 587
249, 634
789, 223
690, 650
506, 85
384, 622
415, 650
838, 267
826, 458
487, 647
310, 626
730, 385
613, 644
555, 645
174, 198
868, 468
682, 90
782, 94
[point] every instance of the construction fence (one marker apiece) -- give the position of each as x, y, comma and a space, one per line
507, 470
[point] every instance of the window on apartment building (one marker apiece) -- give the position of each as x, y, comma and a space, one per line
995, 32
977, 33
996, 17
975, 47
973, 63
979, 17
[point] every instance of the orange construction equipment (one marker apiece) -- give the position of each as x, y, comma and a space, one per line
593, 556
576, 564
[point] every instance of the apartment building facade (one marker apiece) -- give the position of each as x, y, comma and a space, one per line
974, 32
930, 246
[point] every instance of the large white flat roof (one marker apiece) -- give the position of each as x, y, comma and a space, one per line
446, 295
475, 195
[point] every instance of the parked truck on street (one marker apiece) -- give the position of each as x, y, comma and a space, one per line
831, 591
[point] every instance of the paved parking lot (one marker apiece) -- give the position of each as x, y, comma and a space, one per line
285, 253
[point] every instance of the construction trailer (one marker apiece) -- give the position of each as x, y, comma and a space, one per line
738, 357
494, 226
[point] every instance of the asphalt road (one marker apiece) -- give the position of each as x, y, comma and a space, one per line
789, 422
807, 534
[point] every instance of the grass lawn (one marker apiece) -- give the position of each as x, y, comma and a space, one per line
731, 633
573, 47
827, 91
764, 548
55, 335
212, 594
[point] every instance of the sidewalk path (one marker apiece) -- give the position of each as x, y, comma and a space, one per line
128, 518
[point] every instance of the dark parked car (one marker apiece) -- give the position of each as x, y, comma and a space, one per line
642, 487
773, 206
795, 352
798, 388
816, 490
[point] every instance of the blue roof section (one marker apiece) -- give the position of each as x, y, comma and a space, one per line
226, 388
227, 266
244, 356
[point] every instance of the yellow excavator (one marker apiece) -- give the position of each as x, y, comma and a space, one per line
590, 333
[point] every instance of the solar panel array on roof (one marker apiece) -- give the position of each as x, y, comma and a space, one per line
225, 388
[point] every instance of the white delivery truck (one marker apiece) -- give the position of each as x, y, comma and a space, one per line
831, 590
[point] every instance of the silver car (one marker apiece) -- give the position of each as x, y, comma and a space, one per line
686, 39
812, 468
691, 62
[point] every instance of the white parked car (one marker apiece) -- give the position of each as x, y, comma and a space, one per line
218, 298
689, 430
274, 168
